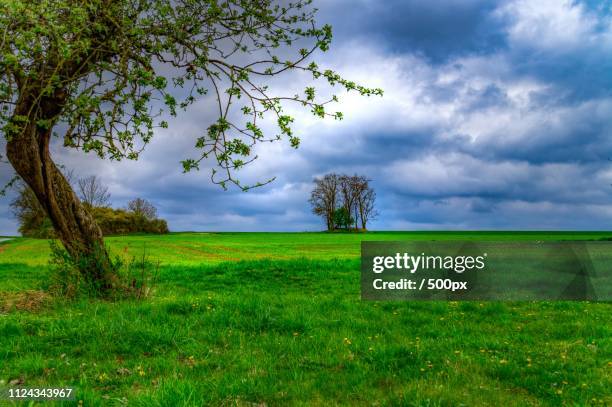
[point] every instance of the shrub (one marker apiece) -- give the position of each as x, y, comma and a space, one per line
134, 279
66, 278
120, 222
111, 221
342, 218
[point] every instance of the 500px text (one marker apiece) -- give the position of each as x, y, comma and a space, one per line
427, 284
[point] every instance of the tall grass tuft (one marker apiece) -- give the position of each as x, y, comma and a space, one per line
131, 280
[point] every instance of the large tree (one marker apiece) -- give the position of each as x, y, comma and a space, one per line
101, 75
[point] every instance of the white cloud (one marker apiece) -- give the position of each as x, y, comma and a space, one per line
560, 26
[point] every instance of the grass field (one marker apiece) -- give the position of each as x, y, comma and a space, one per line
276, 319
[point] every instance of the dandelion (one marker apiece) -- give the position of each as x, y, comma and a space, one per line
190, 361
347, 341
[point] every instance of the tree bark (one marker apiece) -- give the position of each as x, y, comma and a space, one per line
362, 215
28, 152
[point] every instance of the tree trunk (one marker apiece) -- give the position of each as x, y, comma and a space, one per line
329, 219
363, 221
28, 153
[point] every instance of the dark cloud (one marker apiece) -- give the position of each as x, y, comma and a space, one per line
496, 115
439, 30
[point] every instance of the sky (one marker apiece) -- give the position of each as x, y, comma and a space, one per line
496, 116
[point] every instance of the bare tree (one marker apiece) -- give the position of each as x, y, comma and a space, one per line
143, 208
92, 192
324, 198
365, 203
348, 192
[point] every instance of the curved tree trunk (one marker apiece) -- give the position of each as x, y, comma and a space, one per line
28, 153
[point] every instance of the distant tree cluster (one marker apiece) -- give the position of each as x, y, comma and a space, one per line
140, 216
343, 201
122, 222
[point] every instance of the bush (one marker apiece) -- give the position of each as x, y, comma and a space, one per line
121, 222
111, 222
134, 279
139, 217
38, 228
66, 277
342, 218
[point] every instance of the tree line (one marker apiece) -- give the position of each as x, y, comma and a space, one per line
343, 201
140, 215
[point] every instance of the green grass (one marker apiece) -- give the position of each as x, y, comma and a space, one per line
276, 318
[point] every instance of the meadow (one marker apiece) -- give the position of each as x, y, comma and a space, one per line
267, 319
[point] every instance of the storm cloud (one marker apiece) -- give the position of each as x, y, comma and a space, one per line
496, 115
